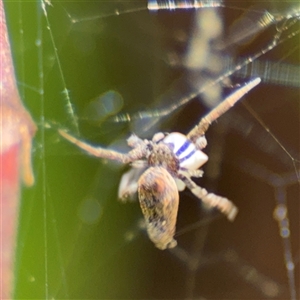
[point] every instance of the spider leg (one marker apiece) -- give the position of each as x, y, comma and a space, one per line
218, 111
194, 173
135, 154
134, 141
139, 164
212, 200
129, 184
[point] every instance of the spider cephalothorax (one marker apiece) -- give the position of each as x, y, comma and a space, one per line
165, 165
162, 155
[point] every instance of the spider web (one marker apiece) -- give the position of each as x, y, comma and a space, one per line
105, 69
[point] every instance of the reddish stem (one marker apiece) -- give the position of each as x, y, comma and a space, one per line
17, 130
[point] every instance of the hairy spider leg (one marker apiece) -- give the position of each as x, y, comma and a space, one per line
193, 173
218, 111
133, 155
211, 200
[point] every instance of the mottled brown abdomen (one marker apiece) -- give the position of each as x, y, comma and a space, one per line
159, 199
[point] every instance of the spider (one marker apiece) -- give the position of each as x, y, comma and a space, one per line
166, 165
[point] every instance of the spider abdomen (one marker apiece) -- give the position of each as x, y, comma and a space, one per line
159, 199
